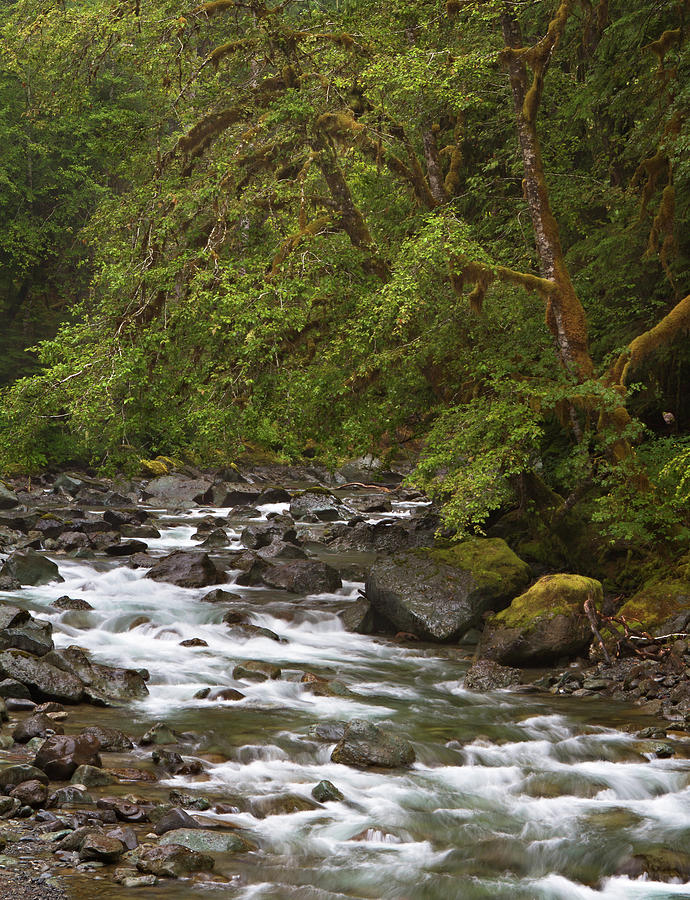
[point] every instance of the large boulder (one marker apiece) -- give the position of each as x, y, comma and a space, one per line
29, 567
19, 630
546, 623
107, 685
662, 605
177, 490
364, 744
44, 680
8, 498
186, 568
38, 725
439, 594
303, 576
60, 755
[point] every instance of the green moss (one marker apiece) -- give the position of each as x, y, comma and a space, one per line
490, 560
551, 596
656, 603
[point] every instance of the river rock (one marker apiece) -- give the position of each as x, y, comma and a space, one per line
38, 725
106, 685
204, 840
67, 603
19, 630
658, 864
30, 793
103, 847
110, 739
544, 624
126, 548
13, 775
488, 675
364, 744
280, 805
358, 617
218, 595
177, 491
174, 819
186, 568
173, 861
308, 576
70, 796
316, 505
91, 776
9, 807
29, 567
256, 670
14, 689
279, 549
8, 498
159, 733
61, 755
439, 594
44, 680
325, 791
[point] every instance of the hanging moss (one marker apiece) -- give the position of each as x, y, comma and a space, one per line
663, 44
228, 49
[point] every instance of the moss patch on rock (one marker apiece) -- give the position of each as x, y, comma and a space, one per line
544, 624
660, 600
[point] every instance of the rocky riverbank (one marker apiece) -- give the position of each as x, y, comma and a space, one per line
79, 793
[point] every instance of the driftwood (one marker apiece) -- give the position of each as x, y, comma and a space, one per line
632, 641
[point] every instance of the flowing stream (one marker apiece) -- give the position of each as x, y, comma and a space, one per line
512, 795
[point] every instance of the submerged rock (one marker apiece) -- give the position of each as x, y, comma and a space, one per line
439, 594
364, 744
325, 791
544, 624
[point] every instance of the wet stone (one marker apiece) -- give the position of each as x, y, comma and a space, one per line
256, 670
325, 791
173, 861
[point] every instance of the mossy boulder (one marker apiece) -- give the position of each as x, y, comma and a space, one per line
546, 623
440, 593
663, 603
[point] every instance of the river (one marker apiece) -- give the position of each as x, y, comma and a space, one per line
513, 795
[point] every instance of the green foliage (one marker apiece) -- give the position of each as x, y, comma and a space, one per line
211, 252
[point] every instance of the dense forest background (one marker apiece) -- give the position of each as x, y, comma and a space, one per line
328, 228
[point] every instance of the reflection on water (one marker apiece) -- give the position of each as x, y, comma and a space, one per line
516, 796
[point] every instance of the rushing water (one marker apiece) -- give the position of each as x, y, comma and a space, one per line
512, 795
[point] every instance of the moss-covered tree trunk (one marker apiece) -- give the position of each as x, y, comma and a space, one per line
564, 313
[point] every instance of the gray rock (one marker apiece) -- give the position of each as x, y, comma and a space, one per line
103, 847
358, 617
205, 841
280, 805
19, 630
8, 499
304, 576
439, 594
177, 490
44, 680
176, 818
186, 568
11, 688
111, 740
106, 685
70, 603
218, 595
364, 744
325, 791
14, 775
487, 675
38, 725
29, 567
316, 505
91, 776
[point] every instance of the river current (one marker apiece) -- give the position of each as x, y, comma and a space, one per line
513, 795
